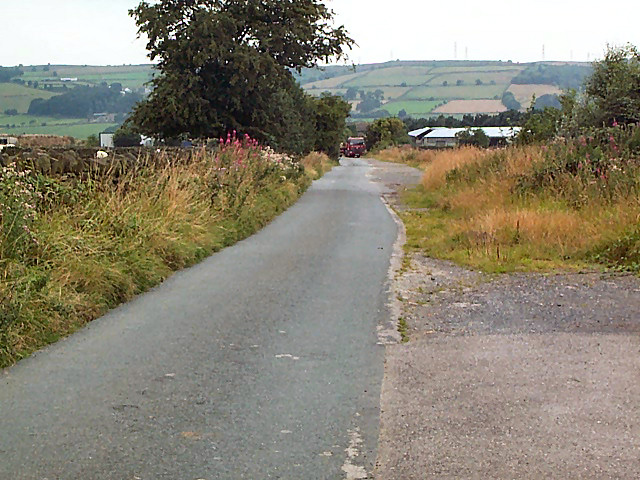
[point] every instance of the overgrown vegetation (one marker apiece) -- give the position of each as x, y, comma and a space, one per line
73, 247
567, 196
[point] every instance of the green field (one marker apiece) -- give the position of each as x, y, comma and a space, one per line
31, 120
463, 92
514, 69
416, 87
19, 97
16, 96
130, 76
417, 107
77, 130
30, 124
393, 76
469, 78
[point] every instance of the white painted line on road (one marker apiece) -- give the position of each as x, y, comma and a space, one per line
287, 355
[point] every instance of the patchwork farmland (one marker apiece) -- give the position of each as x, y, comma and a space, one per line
426, 88
417, 89
46, 81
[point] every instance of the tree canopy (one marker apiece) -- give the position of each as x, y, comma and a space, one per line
7, 73
83, 101
613, 90
226, 65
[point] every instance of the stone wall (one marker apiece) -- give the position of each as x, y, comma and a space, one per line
63, 161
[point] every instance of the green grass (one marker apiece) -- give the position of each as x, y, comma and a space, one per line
19, 97
412, 107
477, 69
500, 78
77, 130
392, 76
31, 120
469, 210
454, 92
131, 76
128, 80
102, 240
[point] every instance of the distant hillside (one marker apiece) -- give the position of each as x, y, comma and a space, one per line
45, 82
423, 88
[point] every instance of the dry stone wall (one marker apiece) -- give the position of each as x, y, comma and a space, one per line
64, 161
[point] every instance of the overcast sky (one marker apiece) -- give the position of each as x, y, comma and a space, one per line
100, 32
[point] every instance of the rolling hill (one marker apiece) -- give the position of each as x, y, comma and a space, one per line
423, 88
46, 81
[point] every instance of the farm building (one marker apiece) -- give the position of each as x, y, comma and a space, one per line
7, 140
442, 137
106, 140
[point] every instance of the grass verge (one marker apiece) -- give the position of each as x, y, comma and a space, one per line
535, 208
71, 248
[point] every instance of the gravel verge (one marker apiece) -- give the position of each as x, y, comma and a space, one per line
510, 376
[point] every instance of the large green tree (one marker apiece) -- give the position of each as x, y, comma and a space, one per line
226, 65
331, 113
386, 132
613, 90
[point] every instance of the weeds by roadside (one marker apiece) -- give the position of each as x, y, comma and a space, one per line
407, 155
73, 247
567, 205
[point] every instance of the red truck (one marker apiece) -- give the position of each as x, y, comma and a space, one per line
355, 147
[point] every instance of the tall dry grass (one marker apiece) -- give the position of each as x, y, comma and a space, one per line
478, 215
445, 161
405, 154
102, 239
317, 164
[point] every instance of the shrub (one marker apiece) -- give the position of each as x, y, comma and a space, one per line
17, 212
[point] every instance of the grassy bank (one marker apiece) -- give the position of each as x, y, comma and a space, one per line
567, 205
73, 248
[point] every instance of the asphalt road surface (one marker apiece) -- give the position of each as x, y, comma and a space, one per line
262, 362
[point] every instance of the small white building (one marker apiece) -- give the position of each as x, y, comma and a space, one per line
7, 141
443, 137
106, 140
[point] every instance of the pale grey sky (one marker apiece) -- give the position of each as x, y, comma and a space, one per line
101, 32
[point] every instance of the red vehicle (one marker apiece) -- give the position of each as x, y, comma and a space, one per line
355, 147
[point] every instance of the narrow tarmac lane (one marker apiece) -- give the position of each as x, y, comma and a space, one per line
262, 362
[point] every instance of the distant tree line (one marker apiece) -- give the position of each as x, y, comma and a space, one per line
564, 76
510, 118
509, 101
7, 73
84, 101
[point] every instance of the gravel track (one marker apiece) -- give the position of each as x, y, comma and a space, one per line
510, 376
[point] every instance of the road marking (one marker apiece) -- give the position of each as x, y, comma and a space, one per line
287, 355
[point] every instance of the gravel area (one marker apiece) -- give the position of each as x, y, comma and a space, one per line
510, 376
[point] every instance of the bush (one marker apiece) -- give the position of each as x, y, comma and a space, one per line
386, 132
126, 137
613, 90
17, 212
473, 137
509, 101
599, 166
